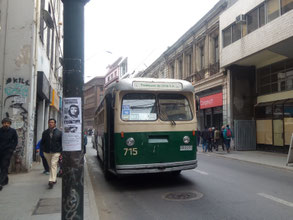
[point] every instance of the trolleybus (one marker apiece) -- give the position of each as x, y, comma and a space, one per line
146, 125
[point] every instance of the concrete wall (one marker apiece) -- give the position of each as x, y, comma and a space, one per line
17, 77
271, 33
243, 92
22, 54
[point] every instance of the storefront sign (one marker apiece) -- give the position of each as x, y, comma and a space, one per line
55, 99
43, 86
211, 101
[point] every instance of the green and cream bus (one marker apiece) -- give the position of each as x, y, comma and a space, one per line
146, 125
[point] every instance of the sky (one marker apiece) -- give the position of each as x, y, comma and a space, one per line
138, 29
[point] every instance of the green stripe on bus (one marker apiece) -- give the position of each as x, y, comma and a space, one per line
154, 147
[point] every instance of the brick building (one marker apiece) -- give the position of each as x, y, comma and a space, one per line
93, 93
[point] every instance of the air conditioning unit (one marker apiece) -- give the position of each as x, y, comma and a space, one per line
240, 19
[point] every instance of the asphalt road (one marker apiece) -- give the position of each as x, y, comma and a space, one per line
220, 188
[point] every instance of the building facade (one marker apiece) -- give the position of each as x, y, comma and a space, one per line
196, 57
30, 71
93, 93
257, 54
116, 71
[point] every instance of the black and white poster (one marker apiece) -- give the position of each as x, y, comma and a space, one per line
72, 120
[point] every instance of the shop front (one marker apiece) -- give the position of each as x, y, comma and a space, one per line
274, 124
274, 108
211, 107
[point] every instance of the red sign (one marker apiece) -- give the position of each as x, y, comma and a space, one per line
211, 101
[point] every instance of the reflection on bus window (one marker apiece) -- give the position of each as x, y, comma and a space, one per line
174, 107
139, 107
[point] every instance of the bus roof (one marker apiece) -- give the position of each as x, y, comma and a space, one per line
150, 84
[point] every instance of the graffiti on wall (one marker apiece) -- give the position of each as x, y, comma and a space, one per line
16, 91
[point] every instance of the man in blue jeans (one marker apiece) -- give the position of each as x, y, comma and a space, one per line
205, 139
227, 133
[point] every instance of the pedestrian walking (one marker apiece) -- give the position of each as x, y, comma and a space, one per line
8, 143
217, 137
84, 142
205, 137
227, 137
210, 139
51, 145
222, 137
44, 161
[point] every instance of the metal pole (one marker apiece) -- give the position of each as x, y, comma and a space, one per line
73, 74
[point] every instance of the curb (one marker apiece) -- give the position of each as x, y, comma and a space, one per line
288, 168
94, 215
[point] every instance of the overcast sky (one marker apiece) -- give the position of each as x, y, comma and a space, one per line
138, 29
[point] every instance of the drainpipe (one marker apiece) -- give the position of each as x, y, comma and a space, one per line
73, 74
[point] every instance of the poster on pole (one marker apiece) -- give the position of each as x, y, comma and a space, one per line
72, 121
290, 153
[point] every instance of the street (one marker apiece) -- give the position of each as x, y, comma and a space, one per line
220, 188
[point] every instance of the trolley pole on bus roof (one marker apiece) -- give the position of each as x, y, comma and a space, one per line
72, 139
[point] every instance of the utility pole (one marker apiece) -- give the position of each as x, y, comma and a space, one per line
72, 140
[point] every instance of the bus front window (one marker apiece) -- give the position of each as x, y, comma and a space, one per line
139, 107
174, 107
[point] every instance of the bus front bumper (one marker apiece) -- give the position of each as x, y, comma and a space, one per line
156, 167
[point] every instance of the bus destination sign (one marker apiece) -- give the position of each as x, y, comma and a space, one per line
157, 85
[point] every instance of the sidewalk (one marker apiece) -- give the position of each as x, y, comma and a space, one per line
27, 197
277, 160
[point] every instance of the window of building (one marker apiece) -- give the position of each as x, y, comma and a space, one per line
216, 49
273, 8
48, 36
201, 49
261, 16
252, 21
277, 77
42, 22
257, 18
172, 71
236, 31
180, 70
189, 64
227, 38
52, 50
286, 5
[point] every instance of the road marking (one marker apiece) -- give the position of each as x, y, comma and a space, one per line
290, 204
201, 172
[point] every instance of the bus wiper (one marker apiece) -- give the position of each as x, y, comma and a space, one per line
166, 118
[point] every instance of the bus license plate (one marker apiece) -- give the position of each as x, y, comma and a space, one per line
186, 148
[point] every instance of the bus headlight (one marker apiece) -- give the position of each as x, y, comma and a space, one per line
186, 139
130, 142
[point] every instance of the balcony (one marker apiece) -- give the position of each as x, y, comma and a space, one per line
196, 76
214, 68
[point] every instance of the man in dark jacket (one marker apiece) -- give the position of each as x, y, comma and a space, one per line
8, 143
51, 145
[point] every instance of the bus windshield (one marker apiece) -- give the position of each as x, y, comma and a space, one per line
174, 107
143, 107
139, 107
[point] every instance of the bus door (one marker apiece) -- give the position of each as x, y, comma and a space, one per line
109, 148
